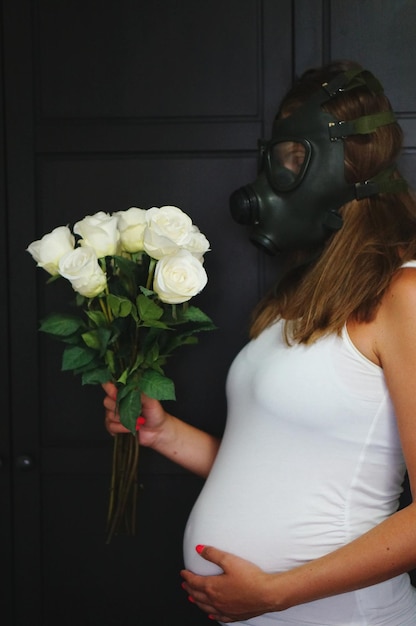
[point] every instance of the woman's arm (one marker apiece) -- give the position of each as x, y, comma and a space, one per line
193, 449
389, 549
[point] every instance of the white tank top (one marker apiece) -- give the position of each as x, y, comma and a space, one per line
310, 459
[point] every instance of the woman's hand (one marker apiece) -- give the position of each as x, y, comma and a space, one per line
150, 422
240, 593
178, 441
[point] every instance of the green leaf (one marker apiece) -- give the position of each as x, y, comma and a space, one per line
134, 270
179, 340
156, 385
120, 307
96, 376
123, 376
75, 357
80, 300
97, 339
152, 336
156, 324
138, 362
98, 318
135, 314
148, 309
61, 324
129, 406
189, 340
91, 339
88, 367
152, 354
110, 361
127, 266
193, 314
147, 292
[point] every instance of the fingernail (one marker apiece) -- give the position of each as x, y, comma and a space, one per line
199, 548
190, 598
211, 617
139, 422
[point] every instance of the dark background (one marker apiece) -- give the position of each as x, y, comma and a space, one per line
105, 105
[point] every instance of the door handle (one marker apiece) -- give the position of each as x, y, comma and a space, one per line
24, 462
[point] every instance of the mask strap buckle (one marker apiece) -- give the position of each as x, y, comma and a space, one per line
381, 183
360, 126
351, 80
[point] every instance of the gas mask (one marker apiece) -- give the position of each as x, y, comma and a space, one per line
294, 202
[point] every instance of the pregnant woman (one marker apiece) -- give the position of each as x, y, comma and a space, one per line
298, 521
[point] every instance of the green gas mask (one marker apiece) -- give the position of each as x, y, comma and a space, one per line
294, 201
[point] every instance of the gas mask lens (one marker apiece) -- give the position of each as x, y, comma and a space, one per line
285, 163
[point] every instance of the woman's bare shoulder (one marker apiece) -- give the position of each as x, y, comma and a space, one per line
396, 319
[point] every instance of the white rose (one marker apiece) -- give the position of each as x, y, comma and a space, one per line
198, 244
83, 271
100, 232
131, 225
51, 248
179, 277
168, 229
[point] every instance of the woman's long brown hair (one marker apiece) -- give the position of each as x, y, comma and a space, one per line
350, 276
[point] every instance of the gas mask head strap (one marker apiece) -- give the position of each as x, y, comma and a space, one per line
381, 183
362, 125
351, 80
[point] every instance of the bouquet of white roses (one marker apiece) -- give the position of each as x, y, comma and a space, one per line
134, 273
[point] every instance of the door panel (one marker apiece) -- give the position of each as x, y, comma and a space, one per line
109, 106
6, 552
138, 60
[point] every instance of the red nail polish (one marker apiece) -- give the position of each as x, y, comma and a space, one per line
139, 422
199, 548
190, 598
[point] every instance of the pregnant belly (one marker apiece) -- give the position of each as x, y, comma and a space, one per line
249, 507
241, 515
